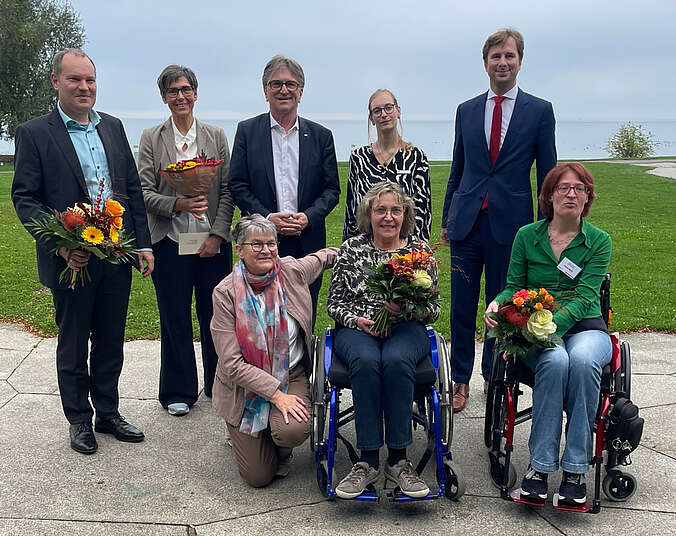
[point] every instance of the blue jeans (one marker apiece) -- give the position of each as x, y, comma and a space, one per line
382, 374
567, 377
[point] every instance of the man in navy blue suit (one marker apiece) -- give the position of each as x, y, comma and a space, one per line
498, 136
284, 166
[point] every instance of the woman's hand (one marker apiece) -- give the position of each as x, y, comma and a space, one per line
365, 324
392, 308
196, 205
492, 308
290, 405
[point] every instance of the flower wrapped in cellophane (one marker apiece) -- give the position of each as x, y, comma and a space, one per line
406, 281
192, 177
525, 323
97, 229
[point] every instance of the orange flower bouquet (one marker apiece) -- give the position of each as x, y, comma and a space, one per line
97, 229
192, 177
525, 323
404, 280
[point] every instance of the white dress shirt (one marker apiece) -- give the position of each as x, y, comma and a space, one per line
185, 222
285, 151
507, 110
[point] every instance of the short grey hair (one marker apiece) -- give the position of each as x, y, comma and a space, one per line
255, 223
282, 62
57, 60
171, 73
380, 189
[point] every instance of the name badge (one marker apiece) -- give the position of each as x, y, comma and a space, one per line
569, 268
189, 243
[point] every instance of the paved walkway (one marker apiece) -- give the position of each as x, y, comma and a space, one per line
182, 480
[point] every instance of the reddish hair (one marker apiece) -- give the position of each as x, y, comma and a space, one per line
552, 181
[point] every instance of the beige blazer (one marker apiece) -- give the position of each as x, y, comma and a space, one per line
156, 151
233, 373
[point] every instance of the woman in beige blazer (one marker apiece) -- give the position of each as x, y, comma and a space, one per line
169, 216
262, 330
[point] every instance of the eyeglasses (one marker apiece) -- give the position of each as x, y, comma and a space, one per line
579, 189
257, 247
291, 85
186, 91
388, 109
395, 212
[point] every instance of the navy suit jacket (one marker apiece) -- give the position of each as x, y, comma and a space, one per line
48, 176
530, 137
252, 176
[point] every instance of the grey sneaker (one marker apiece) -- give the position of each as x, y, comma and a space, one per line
354, 484
404, 476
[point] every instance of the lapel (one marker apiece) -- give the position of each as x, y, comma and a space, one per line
265, 130
204, 141
512, 133
62, 138
304, 148
167, 136
478, 115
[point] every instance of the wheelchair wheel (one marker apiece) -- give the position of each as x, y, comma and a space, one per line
495, 399
455, 482
625, 369
619, 486
498, 472
322, 478
318, 393
445, 391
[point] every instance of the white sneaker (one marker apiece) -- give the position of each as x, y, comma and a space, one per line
178, 408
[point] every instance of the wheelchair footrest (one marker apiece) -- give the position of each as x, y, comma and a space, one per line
397, 496
569, 506
515, 495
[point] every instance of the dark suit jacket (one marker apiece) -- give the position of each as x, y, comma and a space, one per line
252, 176
47, 176
530, 137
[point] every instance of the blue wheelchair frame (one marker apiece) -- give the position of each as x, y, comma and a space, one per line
429, 417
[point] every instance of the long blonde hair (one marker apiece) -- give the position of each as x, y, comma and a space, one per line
406, 145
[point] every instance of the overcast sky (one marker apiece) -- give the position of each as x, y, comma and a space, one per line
595, 60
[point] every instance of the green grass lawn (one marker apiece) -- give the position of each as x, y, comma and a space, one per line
635, 208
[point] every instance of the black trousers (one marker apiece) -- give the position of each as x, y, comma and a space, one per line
98, 311
175, 277
290, 246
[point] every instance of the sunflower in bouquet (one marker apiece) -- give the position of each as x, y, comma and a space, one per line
97, 229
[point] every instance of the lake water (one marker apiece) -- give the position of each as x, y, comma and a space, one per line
574, 139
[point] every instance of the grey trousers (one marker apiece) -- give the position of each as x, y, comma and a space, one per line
259, 458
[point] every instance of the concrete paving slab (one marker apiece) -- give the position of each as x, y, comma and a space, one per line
37, 373
652, 353
478, 516
10, 360
7, 392
633, 522
14, 337
26, 527
653, 390
659, 432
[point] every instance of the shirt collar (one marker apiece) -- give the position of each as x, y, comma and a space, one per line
511, 94
189, 137
94, 119
274, 123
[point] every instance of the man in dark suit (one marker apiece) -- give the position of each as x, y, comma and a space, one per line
284, 166
498, 136
60, 159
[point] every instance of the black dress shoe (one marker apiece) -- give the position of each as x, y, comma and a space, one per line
82, 438
121, 429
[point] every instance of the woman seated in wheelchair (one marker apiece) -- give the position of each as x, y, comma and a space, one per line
569, 257
382, 371
262, 330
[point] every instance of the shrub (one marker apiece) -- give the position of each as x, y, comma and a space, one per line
631, 141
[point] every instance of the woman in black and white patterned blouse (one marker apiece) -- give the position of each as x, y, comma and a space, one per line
389, 158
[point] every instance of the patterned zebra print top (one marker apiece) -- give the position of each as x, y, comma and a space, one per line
409, 169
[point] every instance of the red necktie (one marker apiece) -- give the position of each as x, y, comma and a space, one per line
496, 130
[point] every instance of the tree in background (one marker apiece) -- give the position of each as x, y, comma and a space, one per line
31, 32
631, 141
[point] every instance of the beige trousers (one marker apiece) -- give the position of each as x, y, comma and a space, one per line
259, 458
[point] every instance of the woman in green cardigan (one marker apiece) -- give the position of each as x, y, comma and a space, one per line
569, 257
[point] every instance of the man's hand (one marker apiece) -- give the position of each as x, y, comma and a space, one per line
492, 308
444, 238
290, 405
75, 258
195, 205
210, 247
289, 224
146, 262
365, 324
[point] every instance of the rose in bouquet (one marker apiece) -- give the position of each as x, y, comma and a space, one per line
192, 177
97, 229
525, 323
404, 280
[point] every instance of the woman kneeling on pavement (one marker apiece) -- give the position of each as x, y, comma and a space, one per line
262, 331
382, 370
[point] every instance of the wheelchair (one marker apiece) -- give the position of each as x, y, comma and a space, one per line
502, 415
432, 410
